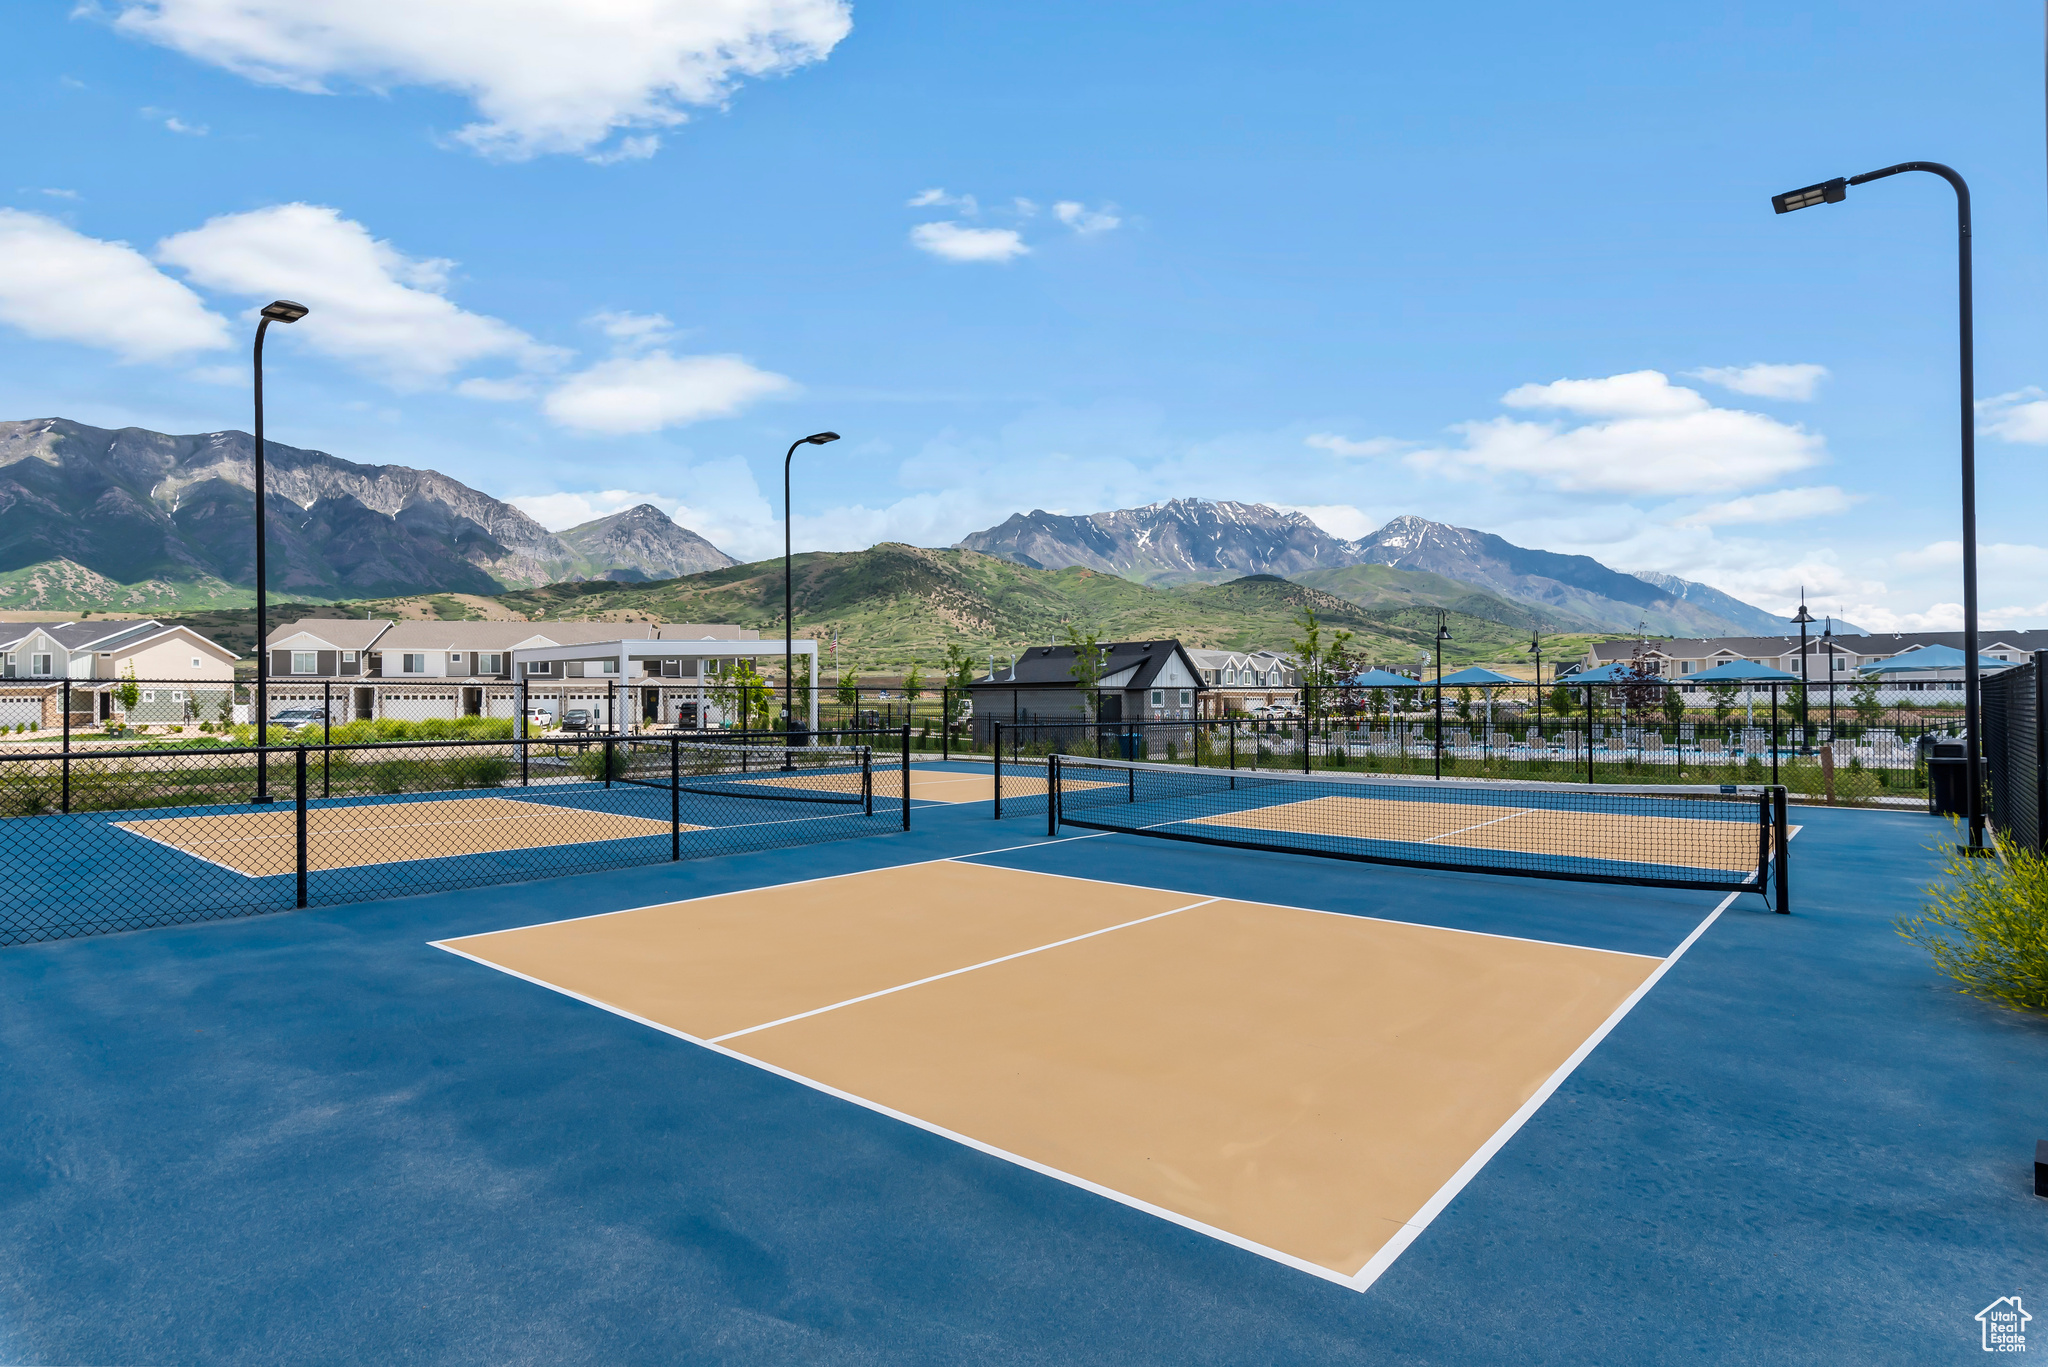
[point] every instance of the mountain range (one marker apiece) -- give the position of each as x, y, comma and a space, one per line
133, 519
1410, 561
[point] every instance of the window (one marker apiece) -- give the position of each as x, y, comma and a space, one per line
414, 664
177, 695
1187, 697
305, 662
39, 664
1158, 697
534, 667
348, 657
195, 662
610, 667
455, 659
490, 664
149, 695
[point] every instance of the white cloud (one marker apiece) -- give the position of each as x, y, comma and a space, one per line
957, 242
1877, 617
2020, 417
372, 306
1084, 220
633, 330
61, 285
1781, 505
647, 392
1798, 381
59, 194
1661, 439
1344, 446
1637, 394
498, 391
1340, 520
1993, 558
545, 75
925, 199
559, 511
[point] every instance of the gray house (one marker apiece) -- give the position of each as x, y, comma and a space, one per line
1141, 681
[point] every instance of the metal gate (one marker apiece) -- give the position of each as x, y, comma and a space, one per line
2016, 750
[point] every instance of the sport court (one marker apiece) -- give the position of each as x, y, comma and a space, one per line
973, 1094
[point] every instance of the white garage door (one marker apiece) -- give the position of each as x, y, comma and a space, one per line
15, 711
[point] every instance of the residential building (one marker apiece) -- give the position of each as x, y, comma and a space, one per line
1140, 681
181, 675
1836, 658
1237, 681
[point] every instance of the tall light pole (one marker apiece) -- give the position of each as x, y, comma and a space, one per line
1827, 639
1804, 620
276, 311
788, 620
1536, 649
1834, 192
1443, 633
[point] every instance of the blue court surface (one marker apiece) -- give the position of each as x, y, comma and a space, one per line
314, 1137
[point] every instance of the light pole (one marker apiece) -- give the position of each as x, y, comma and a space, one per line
276, 311
1834, 192
789, 621
1827, 639
1443, 633
1804, 620
1536, 649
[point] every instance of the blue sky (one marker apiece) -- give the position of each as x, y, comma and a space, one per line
1505, 267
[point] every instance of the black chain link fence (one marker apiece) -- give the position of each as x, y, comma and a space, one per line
2016, 752
108, 840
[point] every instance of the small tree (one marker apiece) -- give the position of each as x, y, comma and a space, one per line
913, 681
1314, 662
849, 685
1562, 702
1674, 706
129, 694
1376, 704
1724, 695
959, 675
1089, 661
1869, 710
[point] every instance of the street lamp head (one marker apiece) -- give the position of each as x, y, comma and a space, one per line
284, 311
1827, 192
1804, 617
820, 438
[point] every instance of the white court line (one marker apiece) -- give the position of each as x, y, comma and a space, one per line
956, 972
797, 882
980, 1146
1481, 825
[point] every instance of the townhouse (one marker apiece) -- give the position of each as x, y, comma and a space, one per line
1831, 658
178, 674
1140, 681
1240, 680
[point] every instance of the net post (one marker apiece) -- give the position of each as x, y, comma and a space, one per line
1052, 795
1781, 833
1774, 733
299, 801
995, 730
675, 799
1131, 781
906, 776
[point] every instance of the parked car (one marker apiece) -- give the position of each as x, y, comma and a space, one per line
539, 719
576, 719
292, 718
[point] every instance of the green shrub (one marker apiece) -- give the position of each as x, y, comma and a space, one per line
590, 763
1987, 928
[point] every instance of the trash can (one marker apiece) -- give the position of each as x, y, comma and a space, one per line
1948, 779
1131, 744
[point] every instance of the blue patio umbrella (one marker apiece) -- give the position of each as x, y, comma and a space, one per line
1381, 678
1479, 676
1743, 672
1614, 673
1929, 657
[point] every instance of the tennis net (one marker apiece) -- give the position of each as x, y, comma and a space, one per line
1706, 836
767, 771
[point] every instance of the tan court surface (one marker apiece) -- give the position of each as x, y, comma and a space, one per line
1301, 1080
930, 785
262, 844
1686, 842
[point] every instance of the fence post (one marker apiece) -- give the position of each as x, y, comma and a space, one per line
1232, 723
1052, 795
1780, 832
675, 799
906, 776
995, 730
2041, 749
66, 704
1774, 732
607, 761
946, 725
1304, 740
299, 797
867, 780
326, 737
525, 740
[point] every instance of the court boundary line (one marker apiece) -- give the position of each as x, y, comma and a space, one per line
1412, 1228
981, 1146
800, 882
956, 972
1383, 1259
